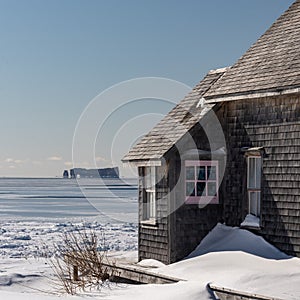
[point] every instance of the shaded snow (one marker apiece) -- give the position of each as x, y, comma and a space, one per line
224, 238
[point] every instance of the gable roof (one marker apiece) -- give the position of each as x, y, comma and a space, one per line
271, 65
176, 123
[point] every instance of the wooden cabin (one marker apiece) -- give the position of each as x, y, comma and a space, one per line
229, 149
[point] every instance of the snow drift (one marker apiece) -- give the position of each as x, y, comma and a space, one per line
225, 238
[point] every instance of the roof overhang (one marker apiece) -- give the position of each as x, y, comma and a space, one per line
143, 163
252, 95
195, 153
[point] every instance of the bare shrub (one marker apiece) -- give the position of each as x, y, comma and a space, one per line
81, 261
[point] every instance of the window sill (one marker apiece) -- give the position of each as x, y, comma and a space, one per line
253, 228
149, 223
251, 222
202, 200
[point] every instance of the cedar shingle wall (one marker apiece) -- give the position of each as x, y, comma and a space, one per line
192, 225
191, 222
273, 123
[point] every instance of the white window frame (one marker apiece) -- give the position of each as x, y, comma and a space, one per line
204, 199
149, 203
254, 185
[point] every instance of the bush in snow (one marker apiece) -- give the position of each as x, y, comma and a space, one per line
80, 263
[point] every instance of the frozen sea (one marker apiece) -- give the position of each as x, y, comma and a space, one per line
34, 212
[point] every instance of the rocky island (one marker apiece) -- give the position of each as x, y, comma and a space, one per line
92, 173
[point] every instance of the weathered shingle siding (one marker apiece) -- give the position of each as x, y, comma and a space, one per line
273, 123
154, 240
192, 225
189, 223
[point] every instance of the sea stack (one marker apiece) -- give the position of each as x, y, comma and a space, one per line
66, 174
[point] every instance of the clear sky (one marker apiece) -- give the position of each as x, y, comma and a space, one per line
56, 56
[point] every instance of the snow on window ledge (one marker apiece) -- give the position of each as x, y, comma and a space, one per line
251, 221
149, 222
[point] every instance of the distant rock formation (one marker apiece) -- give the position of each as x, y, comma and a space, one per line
95, 173
66, 174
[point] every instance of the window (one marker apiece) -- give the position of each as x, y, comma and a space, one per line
201, 182
254, 184
149, 201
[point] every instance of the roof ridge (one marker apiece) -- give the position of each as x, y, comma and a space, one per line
219, 70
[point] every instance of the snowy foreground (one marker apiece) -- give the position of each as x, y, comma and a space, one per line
228, 257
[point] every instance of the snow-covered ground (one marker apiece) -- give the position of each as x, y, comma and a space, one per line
26, 274
228, 257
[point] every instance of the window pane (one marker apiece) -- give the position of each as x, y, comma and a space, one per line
201, 173
153, 181
251, 172
190, 173
258, 203
149, 205
211, 189
190, 189
150, 179
146, 210
211, 173
152, 204
147, 178
201, 189
254, 198
258, 172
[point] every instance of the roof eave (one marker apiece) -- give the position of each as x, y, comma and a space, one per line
143, 162
252, 95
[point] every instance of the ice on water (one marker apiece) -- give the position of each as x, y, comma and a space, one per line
35, 212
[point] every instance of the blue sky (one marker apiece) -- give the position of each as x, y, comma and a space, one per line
56, 56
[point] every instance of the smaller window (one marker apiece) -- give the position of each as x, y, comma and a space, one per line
149, 203
254, 184
201, 182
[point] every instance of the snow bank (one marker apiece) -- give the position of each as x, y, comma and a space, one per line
151, 263
225, 238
